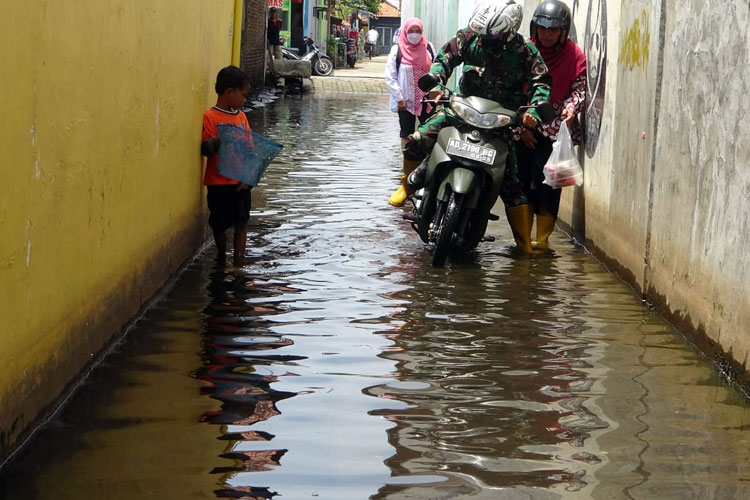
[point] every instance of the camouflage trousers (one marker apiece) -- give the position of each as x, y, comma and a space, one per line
422, 141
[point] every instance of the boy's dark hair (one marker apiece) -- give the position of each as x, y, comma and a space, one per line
230, 77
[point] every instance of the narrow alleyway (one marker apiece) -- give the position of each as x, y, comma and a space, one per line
340, 365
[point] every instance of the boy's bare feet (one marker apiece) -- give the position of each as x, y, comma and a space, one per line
240, 243
221, 248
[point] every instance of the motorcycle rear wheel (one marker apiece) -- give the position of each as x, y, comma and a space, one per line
323, 66
447, 228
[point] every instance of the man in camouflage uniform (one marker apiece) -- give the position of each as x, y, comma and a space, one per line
499, 64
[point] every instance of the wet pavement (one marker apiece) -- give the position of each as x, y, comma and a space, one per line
338, 364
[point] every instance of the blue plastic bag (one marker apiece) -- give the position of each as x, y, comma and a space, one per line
243, 154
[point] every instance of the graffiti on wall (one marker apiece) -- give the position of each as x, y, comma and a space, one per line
635, 47
595, 48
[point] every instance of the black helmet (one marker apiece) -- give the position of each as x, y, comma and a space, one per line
552, 14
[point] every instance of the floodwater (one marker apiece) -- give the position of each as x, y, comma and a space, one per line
339, 365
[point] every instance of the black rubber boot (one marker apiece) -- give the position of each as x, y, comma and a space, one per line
416, 178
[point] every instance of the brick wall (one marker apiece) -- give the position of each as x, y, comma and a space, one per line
252, 57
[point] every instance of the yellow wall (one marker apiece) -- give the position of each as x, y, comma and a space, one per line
100, 197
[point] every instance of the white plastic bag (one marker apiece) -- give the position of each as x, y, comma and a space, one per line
562, 168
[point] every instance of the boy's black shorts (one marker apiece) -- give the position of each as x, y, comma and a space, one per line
227, 206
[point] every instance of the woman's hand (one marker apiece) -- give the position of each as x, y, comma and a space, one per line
401, 105
568, 114
528, 139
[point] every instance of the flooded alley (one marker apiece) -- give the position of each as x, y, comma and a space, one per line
338, 364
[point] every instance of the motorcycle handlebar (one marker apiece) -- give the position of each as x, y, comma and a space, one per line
544, 108
442, 100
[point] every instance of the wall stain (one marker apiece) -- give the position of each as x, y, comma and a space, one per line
635, 47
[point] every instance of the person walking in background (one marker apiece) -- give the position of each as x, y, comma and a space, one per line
409, 59
550, 29
371, 45
228, 199
273, 34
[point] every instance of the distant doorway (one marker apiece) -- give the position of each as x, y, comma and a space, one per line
296, 26
385, 39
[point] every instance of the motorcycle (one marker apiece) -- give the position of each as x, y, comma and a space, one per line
464, 172
321, 64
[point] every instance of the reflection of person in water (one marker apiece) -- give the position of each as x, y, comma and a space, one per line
247, 398
252, 461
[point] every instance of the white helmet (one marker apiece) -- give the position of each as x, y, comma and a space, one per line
496, 17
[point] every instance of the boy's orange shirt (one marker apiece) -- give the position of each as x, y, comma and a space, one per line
211, 119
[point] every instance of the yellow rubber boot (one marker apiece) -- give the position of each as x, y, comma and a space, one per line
521, 218
545, 225
400, 195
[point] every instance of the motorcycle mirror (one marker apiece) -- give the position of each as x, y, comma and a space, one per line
427, 82
546, 111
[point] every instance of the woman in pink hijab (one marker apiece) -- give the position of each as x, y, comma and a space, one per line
407, 61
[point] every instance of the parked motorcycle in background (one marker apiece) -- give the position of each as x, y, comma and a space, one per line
320, 63
464, 172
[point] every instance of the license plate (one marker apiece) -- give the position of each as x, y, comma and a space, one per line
471, 151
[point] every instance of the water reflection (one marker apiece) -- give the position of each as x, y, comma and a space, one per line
338, 364
498, 356
238, 356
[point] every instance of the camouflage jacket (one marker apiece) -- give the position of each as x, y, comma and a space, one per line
512, 73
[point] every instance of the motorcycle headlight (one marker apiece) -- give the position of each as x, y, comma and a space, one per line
477, 119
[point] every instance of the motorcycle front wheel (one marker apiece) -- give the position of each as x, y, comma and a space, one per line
446, 229
323, 66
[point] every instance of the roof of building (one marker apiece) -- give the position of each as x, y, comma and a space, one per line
388, 10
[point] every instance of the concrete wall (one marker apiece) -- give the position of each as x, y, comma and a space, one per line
665, 200
698, 265
100, 199
666, 197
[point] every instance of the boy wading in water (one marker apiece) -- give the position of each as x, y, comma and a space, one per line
228, 199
